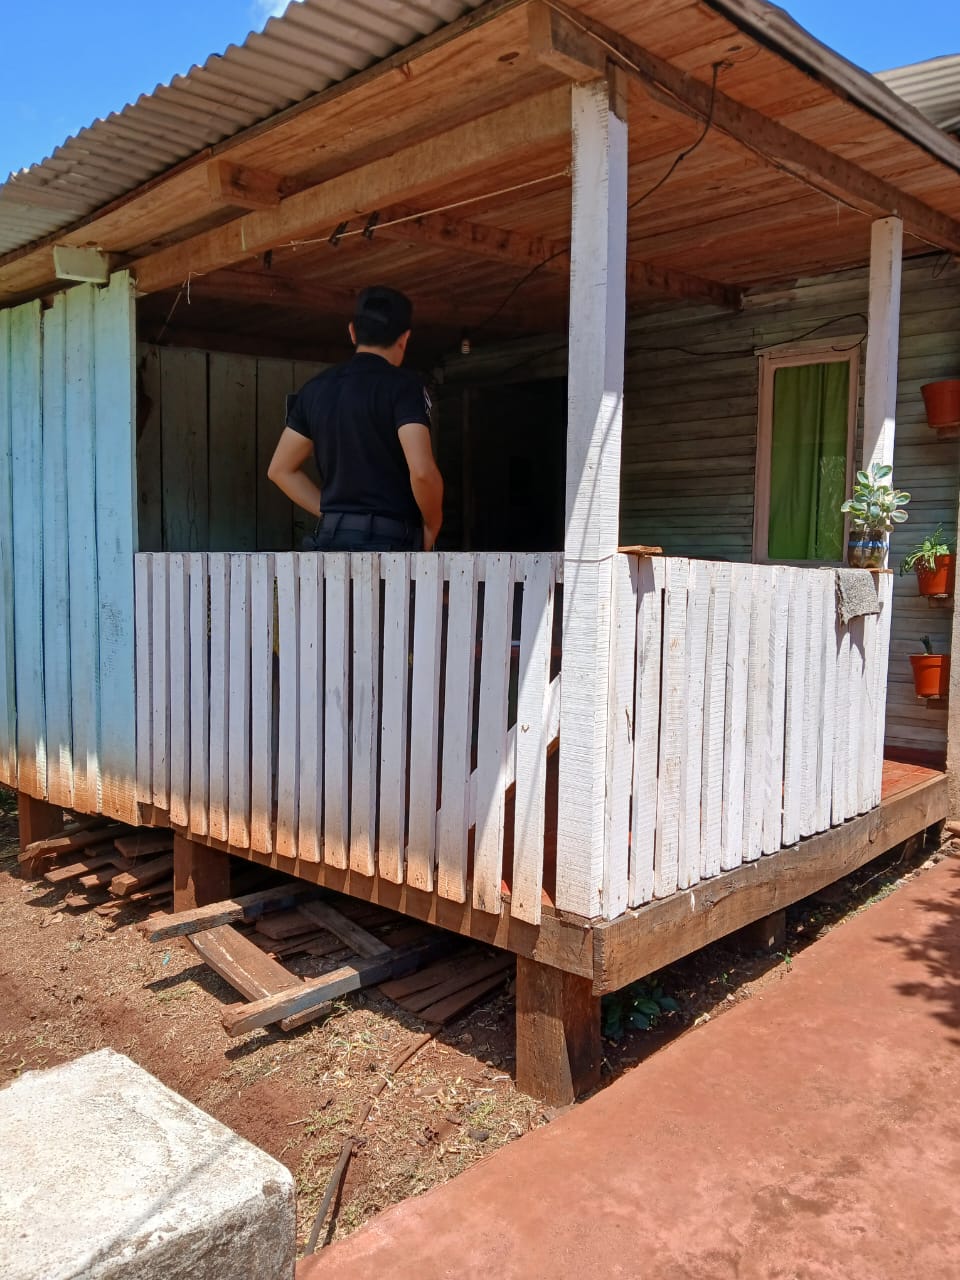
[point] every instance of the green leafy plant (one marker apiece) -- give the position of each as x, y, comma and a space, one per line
638, 1007
925, 553
875, 506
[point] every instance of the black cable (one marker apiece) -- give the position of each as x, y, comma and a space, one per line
678, 160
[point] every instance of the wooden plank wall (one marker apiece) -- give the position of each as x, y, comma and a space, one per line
379, 733
67, 541
208, 424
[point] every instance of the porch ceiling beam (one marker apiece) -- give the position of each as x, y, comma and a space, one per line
275, 289
551, 256
237, 184
800, 157
494, 142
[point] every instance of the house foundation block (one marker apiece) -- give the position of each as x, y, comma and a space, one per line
106, 1172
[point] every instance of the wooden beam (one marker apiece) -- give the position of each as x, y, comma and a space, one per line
643, 941
558, 1034
37, 820
200, 875
558, 44
820, 168
594, 423
495, 142
247, 907
496, 244
237, 184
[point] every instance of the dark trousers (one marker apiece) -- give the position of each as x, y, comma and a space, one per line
338, 531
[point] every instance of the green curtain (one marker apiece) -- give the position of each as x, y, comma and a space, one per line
808, 462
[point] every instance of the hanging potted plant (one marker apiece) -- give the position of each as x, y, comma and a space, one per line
942, 403
874, 509
931, 671
934, 563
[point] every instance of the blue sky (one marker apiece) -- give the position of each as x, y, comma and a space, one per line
62, 64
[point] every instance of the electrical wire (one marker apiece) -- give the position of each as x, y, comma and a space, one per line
679, 159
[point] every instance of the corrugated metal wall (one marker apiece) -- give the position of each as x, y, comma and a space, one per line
67, 538
690, 429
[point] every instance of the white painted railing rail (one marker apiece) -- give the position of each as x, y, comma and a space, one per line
388, 713
754, 717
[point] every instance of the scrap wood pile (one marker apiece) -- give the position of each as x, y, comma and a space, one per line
243, 940
104, 864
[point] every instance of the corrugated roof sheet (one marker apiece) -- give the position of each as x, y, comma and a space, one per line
933, 87
314, 44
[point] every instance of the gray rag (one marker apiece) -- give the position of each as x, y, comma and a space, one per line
856, 594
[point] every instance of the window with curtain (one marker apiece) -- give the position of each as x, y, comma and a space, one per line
803, 458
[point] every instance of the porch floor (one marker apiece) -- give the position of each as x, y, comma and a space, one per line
810, 1131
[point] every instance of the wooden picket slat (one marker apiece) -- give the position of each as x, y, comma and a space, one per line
336, 711
813, 706
238, 727
828, 642
714, 717
532, 740
178, 606
425, 721
218, 566
841, 736
646, 731
160, 682
492, 731
735, 717
8, 697
453, 821
310, 703
881, 666
776, 710
395, 568
796, 693
856, 707
698, 613
261, 702
143, 576
365, 572
199, 693
56, 580
673, 726
757, 748
288, 735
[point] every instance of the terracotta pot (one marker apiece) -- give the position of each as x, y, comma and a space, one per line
942, 403
866, 551
938, 581
931, 674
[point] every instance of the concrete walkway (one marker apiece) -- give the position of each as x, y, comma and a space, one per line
812, 1132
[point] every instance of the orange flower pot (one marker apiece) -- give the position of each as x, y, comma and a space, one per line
938, 581
942, 403
931, 674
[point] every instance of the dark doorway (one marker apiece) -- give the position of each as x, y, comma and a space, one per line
503, 454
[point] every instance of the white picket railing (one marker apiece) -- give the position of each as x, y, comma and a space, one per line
360, 710
755, 718
399, 715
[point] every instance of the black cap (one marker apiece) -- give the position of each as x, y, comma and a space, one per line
381, 315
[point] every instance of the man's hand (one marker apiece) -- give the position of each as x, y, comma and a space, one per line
425, 479
291, 453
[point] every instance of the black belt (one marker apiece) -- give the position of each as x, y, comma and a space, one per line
385, 525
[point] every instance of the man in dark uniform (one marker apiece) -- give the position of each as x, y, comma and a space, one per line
367, 423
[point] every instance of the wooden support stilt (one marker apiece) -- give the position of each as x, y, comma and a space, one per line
558, 1033
37, 819
201, 875
768, 934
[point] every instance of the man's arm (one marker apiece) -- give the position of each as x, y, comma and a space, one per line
425, 478
291, 453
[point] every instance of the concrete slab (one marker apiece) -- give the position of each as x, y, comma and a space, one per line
105, 1172
811, 1133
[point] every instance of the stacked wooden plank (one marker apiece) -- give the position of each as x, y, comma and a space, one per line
104, 864
243, 938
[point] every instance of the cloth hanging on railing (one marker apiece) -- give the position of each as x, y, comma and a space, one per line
856, 594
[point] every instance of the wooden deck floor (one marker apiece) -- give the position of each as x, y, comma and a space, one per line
898, 776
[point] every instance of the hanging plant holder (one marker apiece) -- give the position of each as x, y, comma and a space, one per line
931, 674
942, 403
937, 583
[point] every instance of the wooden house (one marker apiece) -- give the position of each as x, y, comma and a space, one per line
623, 226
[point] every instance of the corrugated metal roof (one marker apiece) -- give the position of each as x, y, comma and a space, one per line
314, 44
933, 87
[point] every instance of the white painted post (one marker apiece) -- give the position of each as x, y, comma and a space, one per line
595, 406
880, 419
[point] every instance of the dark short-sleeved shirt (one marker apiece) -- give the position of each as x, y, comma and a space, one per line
352, 413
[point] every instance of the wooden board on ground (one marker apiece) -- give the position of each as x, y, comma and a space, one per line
144, 843
248, 906
83, 866
348, 931
443, 990
140, 877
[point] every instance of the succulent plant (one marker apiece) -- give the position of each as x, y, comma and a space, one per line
875, 506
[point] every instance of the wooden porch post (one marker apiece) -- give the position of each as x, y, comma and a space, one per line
879, 425
36, 819
201, 875
595, 403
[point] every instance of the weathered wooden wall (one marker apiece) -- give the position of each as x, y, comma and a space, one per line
690, 433
67, 540
208, 426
